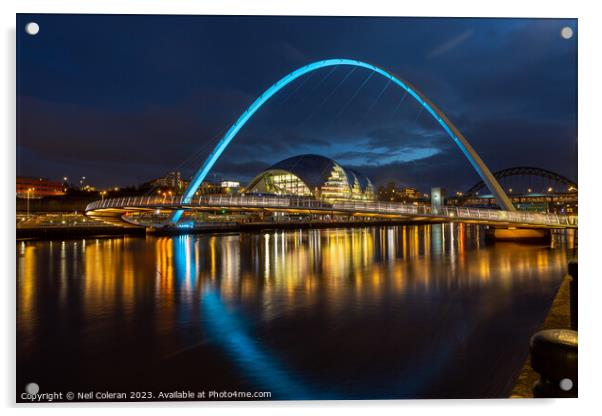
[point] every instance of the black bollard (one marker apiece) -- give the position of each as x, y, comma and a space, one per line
573, 293
554, 357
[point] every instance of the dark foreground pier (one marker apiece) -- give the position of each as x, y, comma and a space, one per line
557, 343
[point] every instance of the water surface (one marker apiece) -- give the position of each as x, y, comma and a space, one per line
384, 312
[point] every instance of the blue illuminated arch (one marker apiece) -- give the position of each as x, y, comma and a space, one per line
449, 128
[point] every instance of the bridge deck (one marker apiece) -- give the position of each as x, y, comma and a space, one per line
114, 209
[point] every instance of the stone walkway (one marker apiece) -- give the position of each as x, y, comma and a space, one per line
558, 318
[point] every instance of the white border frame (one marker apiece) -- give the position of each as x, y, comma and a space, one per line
590, 69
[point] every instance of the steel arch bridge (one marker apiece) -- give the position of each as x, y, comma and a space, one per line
457, 137
525, 171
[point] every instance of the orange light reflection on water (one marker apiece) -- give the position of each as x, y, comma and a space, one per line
284, 271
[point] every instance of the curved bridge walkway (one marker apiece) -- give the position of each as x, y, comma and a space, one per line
115, 209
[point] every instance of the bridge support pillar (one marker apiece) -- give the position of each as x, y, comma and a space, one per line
526, 235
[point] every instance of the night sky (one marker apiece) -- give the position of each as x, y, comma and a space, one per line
124, 99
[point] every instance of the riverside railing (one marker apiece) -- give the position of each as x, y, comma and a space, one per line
355, 207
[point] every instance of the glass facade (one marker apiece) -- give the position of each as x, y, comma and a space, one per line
313, 176
336, 187
285, 183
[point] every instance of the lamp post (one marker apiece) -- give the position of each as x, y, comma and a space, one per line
29, 191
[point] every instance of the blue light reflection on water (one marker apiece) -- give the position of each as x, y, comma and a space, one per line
228, 330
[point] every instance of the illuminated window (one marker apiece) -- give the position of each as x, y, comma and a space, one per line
284, 183
336, 187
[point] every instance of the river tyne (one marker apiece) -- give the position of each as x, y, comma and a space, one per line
426, 311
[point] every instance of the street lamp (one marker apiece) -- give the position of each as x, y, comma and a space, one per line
29, 191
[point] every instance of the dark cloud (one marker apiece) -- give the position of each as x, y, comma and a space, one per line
425, 173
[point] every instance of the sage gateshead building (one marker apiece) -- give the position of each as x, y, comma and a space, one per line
313, 176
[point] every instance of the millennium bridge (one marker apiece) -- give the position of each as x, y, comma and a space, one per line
126, 211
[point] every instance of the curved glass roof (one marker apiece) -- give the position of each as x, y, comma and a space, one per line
363, 180
315, 170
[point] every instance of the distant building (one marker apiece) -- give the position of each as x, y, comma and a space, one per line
392, 193
210, 188
230, 184
172, 180
28, 187
410, 193
88, 188
313, 176
220, 188
230, 187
